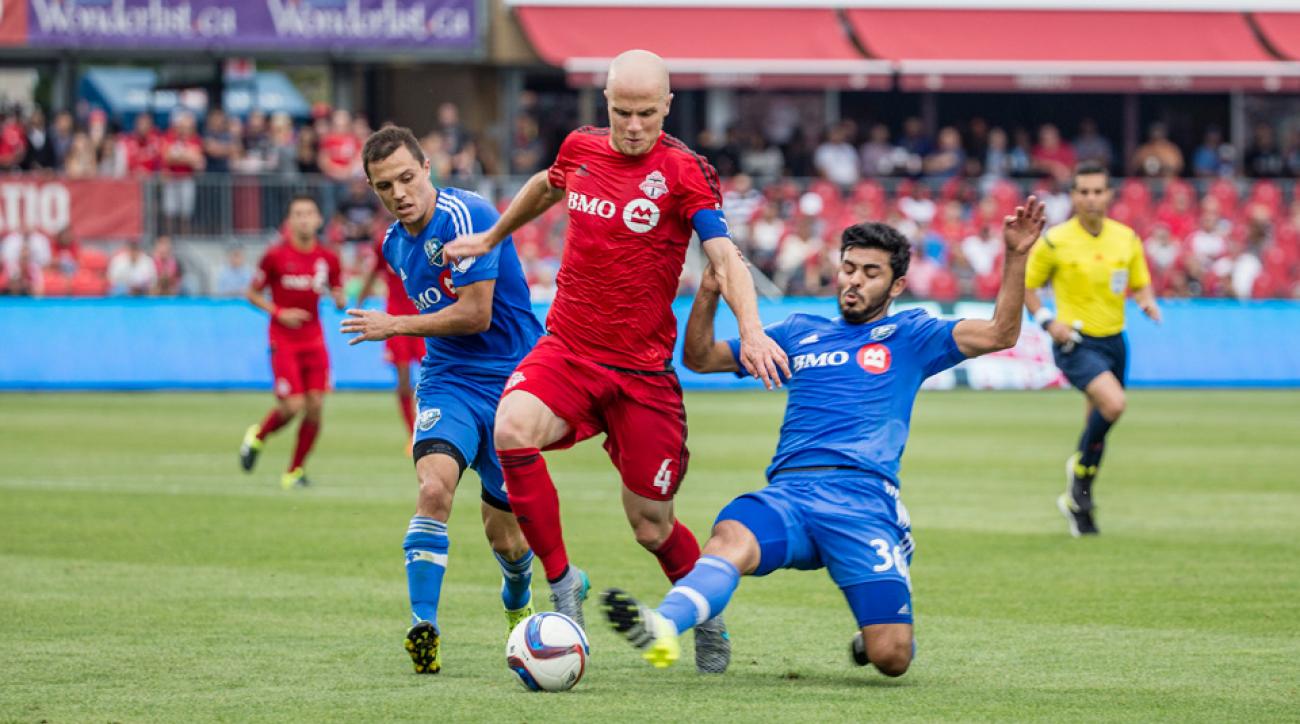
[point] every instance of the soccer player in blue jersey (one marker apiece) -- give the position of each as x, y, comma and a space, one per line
832, 498
478, 323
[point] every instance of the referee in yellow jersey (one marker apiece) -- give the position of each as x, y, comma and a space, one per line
1092, 262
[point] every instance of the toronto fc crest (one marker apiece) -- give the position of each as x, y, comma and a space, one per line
654, 185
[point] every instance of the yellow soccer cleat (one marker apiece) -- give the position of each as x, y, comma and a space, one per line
645, 628
295, 478
519, 614
424, 646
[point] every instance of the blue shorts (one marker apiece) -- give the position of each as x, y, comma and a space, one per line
461, 412
1093, 356
850, 523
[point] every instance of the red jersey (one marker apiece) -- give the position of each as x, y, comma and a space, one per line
629, 226
143, 153
297, 279
172, 140
398, 301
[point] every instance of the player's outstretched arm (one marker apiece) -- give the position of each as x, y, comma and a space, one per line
532, 201
761, 356
975, 337
471, 314
700, 352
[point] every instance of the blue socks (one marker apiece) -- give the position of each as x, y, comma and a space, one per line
516, 577
1093, 441
702, 594
426, 548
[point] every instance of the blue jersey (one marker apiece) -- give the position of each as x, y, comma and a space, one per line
431, 284
853, 385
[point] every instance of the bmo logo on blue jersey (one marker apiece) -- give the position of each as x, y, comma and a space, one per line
820, 359
433, 295
588, 205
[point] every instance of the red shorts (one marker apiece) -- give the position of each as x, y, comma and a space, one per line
300, 369
402, 350
641, 414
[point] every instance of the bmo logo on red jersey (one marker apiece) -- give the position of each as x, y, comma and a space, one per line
587, 205
875, 358
641, 215
318, 281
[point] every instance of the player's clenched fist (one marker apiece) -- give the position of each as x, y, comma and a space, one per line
465, 247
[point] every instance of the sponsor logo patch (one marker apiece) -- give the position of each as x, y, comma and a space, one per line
515, 379
641, 215
875, 358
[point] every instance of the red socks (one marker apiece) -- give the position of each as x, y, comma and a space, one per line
307, 430
273, 421
407, 404
536, 506
679, 553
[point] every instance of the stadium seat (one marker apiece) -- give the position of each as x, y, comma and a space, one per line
88, 284
95, 260
1267, 193
56, 285
1224, 191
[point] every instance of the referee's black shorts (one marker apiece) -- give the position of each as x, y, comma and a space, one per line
1093, 356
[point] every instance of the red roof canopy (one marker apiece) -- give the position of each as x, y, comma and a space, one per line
1064, 50
706, 46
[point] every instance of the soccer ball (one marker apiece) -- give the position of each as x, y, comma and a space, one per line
547, 652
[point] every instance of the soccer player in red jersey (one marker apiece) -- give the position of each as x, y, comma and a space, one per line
634, 196
297, 271
399, 351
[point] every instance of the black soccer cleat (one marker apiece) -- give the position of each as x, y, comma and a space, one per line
249, 448
858, 650
423, 644
1081, 522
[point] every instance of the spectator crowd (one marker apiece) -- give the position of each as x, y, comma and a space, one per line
1216, 221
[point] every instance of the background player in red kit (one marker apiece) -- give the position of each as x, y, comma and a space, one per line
297, 271
634, 196
399, 351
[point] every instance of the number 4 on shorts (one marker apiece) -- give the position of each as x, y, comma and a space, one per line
664, 478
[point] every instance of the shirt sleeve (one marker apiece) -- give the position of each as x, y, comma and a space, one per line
265, 271
935, 348
336, 272
1138, 274
480, 268
1041, 264
780, 333
558, 173
700, 188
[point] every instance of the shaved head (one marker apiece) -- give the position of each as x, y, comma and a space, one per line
637, 95
638, 72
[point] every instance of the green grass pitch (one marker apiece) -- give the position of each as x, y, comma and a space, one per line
144, 578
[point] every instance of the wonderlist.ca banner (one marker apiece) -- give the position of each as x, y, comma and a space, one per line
364, 25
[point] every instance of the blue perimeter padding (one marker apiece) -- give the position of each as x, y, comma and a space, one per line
144, 344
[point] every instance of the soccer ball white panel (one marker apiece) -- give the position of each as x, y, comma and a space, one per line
547, 652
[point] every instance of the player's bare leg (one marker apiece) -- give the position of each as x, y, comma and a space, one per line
887, 646
312, 409
655, 632
426, 547
656, 528
512, 553
285, 410
1105, 404
525, 425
